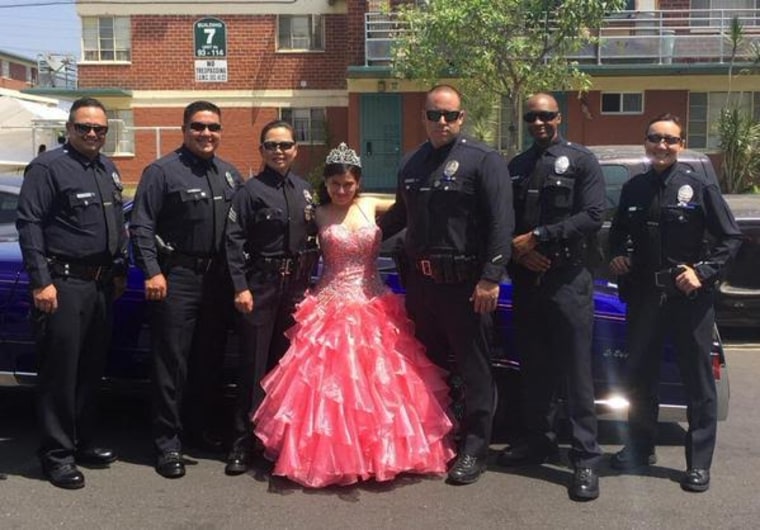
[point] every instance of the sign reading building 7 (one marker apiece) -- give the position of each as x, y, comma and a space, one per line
210, 38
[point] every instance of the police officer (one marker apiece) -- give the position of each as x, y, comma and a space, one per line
454, 197
271, 251
72, 238
559, 202
658, 248
177, 227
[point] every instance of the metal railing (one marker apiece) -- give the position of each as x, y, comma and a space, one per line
627, 37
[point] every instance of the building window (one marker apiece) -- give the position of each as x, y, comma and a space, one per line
300, 32
622, 103
121, 136
718, 13
106, 39
6, 70
704, 115
309, 124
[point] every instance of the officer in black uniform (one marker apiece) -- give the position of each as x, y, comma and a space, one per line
72, 237
559, 202
454, 197
177, 227
660, 250
271, 249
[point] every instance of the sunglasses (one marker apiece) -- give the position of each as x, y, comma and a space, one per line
273, 146
448, 115
543, 115
670, 140
85, 128
198, 126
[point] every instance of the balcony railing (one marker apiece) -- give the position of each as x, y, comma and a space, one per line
627, 37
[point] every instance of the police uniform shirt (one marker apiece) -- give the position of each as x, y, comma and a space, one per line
571, 190
184, 200
70, 207
685, 206
456, 199
269, 217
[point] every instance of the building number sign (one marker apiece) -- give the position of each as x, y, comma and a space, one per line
210, 38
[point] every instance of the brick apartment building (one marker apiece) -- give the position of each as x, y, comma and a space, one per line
17, 72
323, 65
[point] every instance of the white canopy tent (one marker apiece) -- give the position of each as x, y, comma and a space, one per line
26, 122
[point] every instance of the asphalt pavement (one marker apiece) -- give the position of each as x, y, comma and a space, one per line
131, 495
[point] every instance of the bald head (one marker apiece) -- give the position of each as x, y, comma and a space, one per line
543, 118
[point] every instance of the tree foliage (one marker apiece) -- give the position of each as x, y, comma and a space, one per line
504, 48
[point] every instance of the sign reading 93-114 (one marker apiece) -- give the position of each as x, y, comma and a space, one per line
210, 50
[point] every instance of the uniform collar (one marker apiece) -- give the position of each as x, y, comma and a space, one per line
273, 178
540, 150
194, 160
79, 157
663, 177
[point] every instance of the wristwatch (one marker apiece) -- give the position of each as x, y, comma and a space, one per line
539, 233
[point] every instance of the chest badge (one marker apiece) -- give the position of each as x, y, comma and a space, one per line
685, 194
561, 165
451, 168
229, 179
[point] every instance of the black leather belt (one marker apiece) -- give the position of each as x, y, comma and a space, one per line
199, 264
284, 266
79, 270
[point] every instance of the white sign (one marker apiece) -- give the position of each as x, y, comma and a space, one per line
207, 71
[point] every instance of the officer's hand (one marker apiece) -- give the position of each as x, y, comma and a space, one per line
523, 244
620, 265
46, 298
485, 297
688, 281
244, 301
155, 287
119, 286
534, 261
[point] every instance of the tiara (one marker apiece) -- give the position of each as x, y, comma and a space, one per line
343, 155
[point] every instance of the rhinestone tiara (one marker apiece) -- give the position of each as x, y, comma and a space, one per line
343, 155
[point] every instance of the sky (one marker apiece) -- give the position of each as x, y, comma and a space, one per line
29, 30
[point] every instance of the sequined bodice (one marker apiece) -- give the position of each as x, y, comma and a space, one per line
349, 257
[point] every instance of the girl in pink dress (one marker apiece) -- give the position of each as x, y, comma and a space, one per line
355, 397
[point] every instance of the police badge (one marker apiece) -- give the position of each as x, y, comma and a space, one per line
685, 194
451, 168
229, 179
561, 165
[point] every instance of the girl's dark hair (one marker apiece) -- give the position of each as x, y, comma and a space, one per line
330, 171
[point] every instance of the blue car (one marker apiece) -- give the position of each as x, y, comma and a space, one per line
128, 360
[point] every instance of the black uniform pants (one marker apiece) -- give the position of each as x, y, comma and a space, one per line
553, 326
72, 346
447, 325
192, 318
690, 324
262, 345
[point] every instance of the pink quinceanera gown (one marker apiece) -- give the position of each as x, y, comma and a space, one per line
354, 397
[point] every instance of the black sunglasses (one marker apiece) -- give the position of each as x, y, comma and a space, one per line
543, 115
448, 115
657, 138
200, 126
272, 146
85, 128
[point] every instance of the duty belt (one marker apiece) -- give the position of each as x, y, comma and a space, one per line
79, 270
285, 266
199, 264
448, 268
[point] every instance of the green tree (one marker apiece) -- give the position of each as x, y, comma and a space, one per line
739, 132
506, 48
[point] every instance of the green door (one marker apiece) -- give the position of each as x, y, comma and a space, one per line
380, 140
